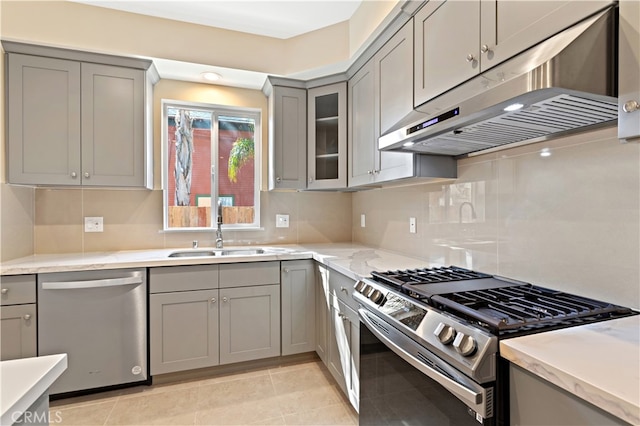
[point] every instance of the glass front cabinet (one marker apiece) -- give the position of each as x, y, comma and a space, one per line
327, 137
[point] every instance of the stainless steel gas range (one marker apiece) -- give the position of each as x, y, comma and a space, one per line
429, 342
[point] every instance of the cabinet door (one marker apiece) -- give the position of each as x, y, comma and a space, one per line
363, 138
249, 323
323, 311
510, 27
629, 71
112, 126
183, 330
446, 46
43, 120
288, 138
394, 99
327, 137
344, 350
18, 332
298, 299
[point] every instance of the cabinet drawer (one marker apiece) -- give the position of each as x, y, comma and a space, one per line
348, 313
249, 274
341, 287
183, 278
18, 289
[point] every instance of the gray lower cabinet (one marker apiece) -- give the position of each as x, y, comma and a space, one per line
534, 401
77, 122
184, 330
323, 310
183, 318
18, 321
249, 323
338, 343
298, 299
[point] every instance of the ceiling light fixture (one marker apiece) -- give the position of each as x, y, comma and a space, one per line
211, 76
513, 107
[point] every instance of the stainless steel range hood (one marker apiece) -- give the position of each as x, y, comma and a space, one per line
566, 84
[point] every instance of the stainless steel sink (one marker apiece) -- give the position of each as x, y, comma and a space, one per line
239, 251
193, 253
245, 252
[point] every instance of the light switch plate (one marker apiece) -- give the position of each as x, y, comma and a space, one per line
93, 224
363, 220
282, 221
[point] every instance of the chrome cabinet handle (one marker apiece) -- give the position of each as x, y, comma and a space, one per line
27, 317
369, 172
286, 270
470, 57
5, 290
224, 299
344, 290
213, 300
278, 179
74, 175
86, 174
485, 48
631, 106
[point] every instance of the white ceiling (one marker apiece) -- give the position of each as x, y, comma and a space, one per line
279, 19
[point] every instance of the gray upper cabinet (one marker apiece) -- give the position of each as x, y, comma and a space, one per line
287, 136
73, 122
363, 140
327, 137
629, 71
455, 40
381, 94
112, 126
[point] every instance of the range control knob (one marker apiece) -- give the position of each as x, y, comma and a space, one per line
445, 333
376, 296
360, 285
465, 345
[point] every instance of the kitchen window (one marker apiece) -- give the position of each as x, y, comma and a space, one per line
211, 154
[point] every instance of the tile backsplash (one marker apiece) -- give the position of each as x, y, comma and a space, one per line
569, 220
133, 220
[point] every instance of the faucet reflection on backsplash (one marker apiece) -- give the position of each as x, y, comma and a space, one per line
473, 212
219, 241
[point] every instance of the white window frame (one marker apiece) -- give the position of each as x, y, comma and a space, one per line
216, 111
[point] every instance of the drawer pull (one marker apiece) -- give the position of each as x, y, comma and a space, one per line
344, 290
224, 299
27, 317
213, 300
5, 290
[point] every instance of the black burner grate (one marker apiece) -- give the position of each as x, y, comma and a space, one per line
426, 276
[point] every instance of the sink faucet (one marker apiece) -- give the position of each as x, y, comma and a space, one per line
219, 230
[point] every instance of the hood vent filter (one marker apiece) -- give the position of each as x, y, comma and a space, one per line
559, 114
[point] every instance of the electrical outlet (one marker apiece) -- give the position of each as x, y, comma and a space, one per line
282, 221
412, 225
362, 220
93, 224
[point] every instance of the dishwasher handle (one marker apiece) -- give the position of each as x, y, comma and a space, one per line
106, 282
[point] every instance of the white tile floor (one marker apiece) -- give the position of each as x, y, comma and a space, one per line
303, 393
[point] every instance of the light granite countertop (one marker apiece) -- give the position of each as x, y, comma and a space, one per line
23, 381
599, 363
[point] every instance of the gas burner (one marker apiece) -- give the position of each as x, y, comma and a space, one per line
398, 279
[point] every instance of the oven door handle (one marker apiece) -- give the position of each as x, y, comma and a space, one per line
474, 398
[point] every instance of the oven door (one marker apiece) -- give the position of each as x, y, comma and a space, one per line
402, 383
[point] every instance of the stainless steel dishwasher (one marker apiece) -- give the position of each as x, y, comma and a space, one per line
99, 319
